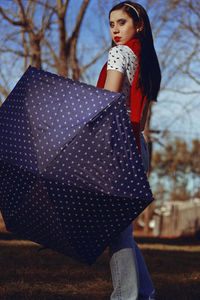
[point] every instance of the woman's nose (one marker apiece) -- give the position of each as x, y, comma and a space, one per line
116, 29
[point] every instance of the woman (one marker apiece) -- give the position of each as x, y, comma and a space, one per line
133, 70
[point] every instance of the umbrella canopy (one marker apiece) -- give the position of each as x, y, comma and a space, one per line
71, 176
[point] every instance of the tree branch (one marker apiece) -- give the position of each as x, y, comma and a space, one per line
95, 59
182, 92
21, 10
80, 18
73, 40
15, 23
55, 57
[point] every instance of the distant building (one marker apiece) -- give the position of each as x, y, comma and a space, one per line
177, 218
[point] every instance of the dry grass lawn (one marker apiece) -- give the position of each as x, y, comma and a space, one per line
29, 274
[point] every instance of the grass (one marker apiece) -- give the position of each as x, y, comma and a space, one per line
29, 274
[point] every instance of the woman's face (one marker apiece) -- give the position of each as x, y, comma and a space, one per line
122, 27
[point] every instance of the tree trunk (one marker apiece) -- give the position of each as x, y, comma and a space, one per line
64, 47
35, 41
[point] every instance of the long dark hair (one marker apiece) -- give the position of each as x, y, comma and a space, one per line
150, 74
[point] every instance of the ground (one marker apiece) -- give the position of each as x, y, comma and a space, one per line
27, 273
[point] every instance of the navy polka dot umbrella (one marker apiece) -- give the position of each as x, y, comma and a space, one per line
71, 177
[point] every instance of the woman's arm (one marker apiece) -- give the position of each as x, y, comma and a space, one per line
114, 81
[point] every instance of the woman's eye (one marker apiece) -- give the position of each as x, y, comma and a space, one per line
122, 22
111, 25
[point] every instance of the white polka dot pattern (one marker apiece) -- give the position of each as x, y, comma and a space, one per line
121, 58
71, 177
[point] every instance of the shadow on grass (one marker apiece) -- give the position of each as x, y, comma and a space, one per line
29, 274
185, 240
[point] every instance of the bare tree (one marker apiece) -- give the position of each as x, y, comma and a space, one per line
177, 44
46, 34
180, 62
190, 26
40, 36
34, 36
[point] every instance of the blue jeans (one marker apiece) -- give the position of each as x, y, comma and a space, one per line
130, 276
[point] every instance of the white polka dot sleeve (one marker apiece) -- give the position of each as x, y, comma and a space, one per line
124, 60
116, 60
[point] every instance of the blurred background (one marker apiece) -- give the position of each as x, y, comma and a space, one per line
71, 38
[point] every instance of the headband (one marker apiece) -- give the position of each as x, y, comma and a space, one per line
133, 9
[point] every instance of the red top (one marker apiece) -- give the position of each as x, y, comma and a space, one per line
137, 99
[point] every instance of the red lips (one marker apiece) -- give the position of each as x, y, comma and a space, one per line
117, 39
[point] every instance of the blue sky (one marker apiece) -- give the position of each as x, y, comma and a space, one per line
175, 112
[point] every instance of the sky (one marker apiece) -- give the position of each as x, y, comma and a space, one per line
176, 113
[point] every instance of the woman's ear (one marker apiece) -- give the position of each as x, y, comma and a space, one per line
140, 26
